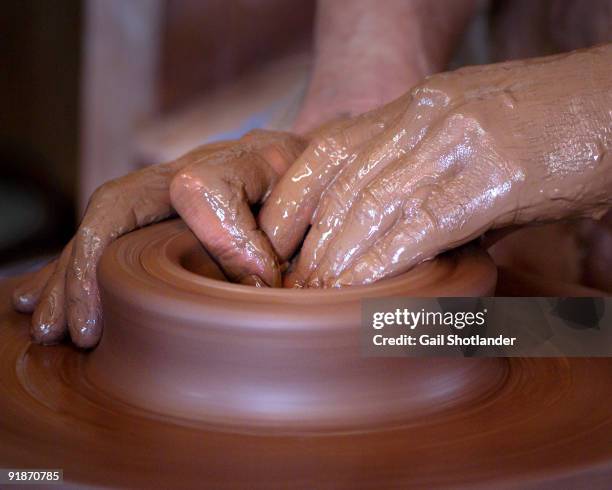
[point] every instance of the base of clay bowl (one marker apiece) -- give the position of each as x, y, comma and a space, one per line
180, 341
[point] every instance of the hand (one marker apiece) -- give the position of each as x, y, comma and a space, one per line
211, 187
466, 151
213, 195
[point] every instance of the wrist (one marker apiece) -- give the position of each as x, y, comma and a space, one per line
345, 85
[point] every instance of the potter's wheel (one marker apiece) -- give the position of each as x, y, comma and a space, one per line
445, 423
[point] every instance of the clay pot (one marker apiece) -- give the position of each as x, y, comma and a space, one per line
181, 341
474, 423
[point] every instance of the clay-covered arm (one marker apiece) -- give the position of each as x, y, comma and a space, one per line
464, 152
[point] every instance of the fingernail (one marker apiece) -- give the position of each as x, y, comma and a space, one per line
23, 302
45, 327
344, 279
86, 335
46, 333
314, 283
254, 280
293, 282
85, 327
336, 283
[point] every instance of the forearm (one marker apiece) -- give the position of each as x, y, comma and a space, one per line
368, 53
568, 157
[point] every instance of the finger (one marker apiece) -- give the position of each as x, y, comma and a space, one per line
436, 217
95, 233
288, 211
418, 234
463, 192
27, 295
48, 324
116, 208
369, 219
341, 194
405, 245
84, 313
214, 198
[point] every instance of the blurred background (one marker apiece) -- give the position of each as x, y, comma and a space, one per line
39, 86
93, 89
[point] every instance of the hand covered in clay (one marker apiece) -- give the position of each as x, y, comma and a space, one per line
464, 152
211, 187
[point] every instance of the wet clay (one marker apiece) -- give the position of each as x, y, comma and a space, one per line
199, 383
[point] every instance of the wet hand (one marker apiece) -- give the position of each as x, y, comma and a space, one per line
211, 187
464, 152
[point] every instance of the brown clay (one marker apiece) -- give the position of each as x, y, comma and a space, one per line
248, 358
199, 383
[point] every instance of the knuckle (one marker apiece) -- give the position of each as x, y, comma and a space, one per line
328, 152
374, 262
340, 191
317, 145
325, 146
433, 92
369, 205
340, 137
466, 119
417, 91
369, 199
262, 138
334, 200
280, 155
105, 192
187, 181
178, 184
292, 145
257, 134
